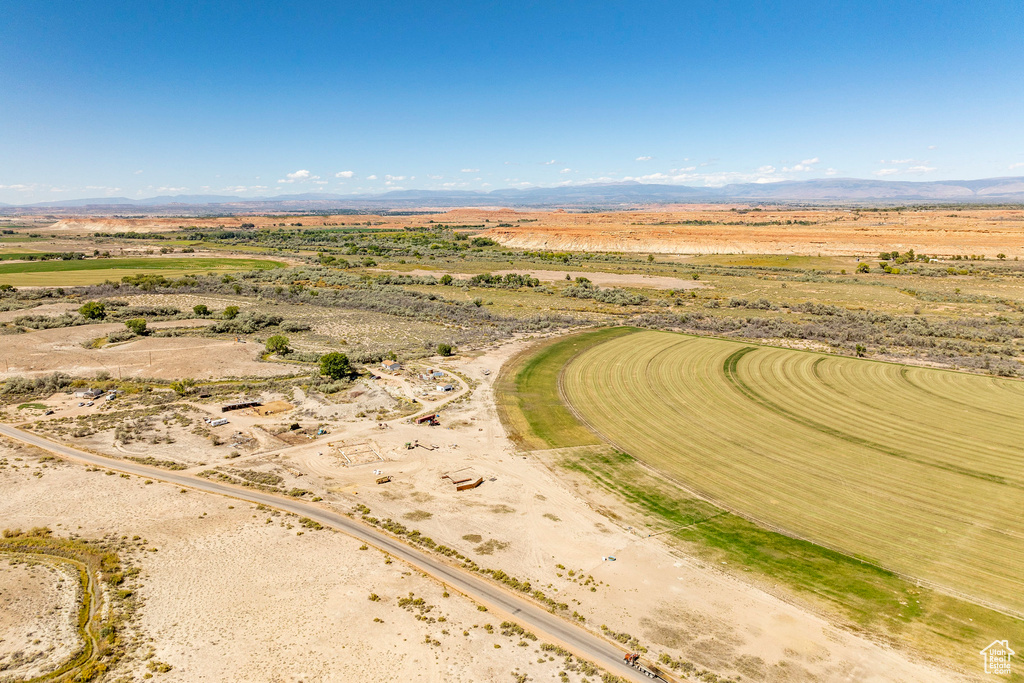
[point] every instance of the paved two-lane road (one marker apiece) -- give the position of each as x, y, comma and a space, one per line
525, 612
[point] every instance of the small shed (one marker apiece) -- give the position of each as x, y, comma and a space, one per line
445, 388
391, 365
228, 407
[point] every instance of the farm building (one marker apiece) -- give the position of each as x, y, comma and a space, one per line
228, 407
445, 388
391, 365
89, 393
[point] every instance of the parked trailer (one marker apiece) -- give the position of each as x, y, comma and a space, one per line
218, 422
649, 670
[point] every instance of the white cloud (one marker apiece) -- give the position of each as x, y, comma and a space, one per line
566, 170
19, 187
435, 177
470, 170
644, 158
139, 172
830, 171
550, 163
901, 161
170, 189
932, 146
805, 165
371, 177
393, 178
1019, 164
302, 174
344, 174
920, 169
886, 171
319, 182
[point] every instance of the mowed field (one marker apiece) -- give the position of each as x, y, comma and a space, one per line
915, 469
93, 271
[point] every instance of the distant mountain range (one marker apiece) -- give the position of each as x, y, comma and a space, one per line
595, 195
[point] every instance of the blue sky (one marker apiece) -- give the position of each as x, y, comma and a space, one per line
139, 99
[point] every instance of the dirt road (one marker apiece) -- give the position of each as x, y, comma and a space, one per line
546, 625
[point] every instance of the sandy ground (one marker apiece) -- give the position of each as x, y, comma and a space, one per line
38, 611
231, 596
600, 279
52, 310
43, 351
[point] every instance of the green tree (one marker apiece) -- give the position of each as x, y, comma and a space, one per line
446, 279
183, 387
136, 325
1000, 256
445, 349
93, 310
278, 343
336, 365
230, 312
863, 268
201, 310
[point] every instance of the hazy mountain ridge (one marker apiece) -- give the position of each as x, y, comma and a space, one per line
834, 190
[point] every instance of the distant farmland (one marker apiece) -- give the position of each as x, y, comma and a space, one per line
92, 271
918, 470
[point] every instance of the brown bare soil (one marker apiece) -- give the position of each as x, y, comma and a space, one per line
38, 616
673, 230
830, 232
44, 351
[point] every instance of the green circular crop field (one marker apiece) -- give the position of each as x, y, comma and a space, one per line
916, 469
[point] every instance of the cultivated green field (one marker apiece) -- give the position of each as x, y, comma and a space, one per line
919, 470
93, 271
